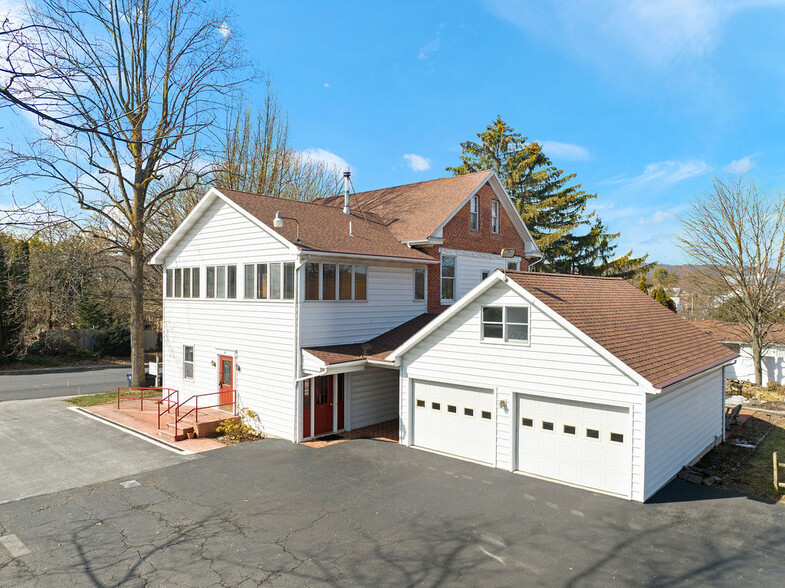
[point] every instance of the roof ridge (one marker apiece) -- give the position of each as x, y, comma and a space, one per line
422, 182
557, 275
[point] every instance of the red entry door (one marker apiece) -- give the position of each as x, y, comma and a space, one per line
225, 381
323, 405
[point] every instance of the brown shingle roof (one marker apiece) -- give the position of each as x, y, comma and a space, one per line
414, 211
377, 348
736, 333
324, 228
656, 343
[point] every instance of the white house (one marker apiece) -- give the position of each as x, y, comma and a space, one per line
336, 321
735, 338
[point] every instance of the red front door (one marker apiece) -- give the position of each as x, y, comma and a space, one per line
225, 381
323, 405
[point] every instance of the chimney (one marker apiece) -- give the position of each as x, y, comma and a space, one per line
346, 177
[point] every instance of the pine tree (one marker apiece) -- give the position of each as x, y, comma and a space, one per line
642, 285
662, 297
550, 204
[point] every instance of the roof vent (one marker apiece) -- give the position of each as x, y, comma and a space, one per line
346, 179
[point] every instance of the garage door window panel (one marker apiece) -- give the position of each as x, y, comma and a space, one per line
593, 434
469, 412
617, 438
420, 403
547, 426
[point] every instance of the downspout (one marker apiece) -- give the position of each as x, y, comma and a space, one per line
531, 265
297, 352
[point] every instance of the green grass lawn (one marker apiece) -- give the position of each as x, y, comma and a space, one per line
106, 397
758, 472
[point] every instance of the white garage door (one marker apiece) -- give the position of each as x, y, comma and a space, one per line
575, 442
455, 419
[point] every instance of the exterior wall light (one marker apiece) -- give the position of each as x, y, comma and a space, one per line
278, 223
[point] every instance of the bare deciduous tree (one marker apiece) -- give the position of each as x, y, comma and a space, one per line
126, 92
256, 156
736, 236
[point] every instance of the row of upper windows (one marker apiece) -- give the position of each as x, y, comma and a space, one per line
263, 281
474, 214
275, 281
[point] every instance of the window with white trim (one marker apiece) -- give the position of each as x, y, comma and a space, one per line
495, 216
188, 362
505, 323
182, 282
448, 277
221, 281
331, 281
474, 213
419, 283
512, 265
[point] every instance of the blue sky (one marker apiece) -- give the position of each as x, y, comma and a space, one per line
645, 100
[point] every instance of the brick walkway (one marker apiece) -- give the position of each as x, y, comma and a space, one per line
387, 431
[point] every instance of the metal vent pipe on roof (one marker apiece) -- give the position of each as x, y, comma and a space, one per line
346, 177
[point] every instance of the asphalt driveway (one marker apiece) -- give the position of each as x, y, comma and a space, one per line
45, 447
369, 513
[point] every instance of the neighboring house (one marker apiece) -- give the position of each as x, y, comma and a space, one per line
734, 337
399, 311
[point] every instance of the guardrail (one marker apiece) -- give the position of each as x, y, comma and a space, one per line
142, 397
195, 409
169, 402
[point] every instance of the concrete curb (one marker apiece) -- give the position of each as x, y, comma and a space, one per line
63, 369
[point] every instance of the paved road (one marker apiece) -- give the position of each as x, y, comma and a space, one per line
368, 513
62, 383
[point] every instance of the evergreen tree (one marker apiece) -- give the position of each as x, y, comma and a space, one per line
662, 297
642, 285
550, 204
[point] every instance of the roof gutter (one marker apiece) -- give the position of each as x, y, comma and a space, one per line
423, 242
305, 253
681, 377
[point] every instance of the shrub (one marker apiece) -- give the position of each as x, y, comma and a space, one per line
240, 430
114, 340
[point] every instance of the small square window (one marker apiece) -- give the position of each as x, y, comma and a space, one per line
420, 403
547, 426
486, 414
451, 408
617, 437
527, 422
592, 433
468, 412
569, 430
436, 405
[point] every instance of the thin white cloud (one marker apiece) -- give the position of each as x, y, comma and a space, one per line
224, 30
664, 173
418, 162
740, 166
429, 48
565, 151
328, 158
326, 85
660, 217
656, 32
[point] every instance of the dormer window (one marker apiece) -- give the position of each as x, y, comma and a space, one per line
474, 213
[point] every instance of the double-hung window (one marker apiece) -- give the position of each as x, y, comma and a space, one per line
419, 283
188, 362
474, 213
505, 323
448, 278
495, 216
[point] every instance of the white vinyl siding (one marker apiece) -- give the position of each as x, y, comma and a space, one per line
389, 303
260, 337
556, 364
373, 396
470, 266
682, 422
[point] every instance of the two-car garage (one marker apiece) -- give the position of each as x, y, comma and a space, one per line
575, 442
